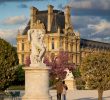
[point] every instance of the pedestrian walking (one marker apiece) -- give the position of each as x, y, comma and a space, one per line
65, 88
59, 88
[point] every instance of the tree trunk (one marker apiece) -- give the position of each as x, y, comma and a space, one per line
100, 94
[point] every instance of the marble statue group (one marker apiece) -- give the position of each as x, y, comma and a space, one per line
38, 48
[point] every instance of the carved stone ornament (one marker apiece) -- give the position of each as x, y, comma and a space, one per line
69, 30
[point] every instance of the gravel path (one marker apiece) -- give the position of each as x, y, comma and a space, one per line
82, 95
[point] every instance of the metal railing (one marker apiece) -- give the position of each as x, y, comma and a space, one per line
10, 96
4, 97
17, 95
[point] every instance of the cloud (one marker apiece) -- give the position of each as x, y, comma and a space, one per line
80, 4
90, 7
16, 20
90, 4
3, 1
11, 34
103, 25
92, 27
22, 6
91, 18
60, 6
83, 21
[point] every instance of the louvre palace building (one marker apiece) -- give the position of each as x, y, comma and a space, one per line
59, 35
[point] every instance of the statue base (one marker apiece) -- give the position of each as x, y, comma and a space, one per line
71, 83
36, 83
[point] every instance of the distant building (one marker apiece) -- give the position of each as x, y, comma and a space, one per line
60, 35
88, 46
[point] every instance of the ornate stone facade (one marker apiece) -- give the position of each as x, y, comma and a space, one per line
59, 35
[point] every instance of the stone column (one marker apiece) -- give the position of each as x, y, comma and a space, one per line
50, 17
36, 83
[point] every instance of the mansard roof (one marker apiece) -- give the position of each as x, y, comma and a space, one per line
84, 43
26, 29
58, 21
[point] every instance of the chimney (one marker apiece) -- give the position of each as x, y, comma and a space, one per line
67, 16
33, 15
50, 17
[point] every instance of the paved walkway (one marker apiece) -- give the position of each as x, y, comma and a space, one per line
79, 94
82, 95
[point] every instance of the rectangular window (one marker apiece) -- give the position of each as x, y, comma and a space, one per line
22, 46
22, 57
53, 43
61, 42
71, 47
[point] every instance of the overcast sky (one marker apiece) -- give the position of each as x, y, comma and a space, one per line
90, 17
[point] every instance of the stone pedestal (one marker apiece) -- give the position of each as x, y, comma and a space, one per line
70, 81
71, 84
36, 83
